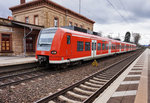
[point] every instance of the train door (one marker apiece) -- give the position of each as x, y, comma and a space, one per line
68, 47
93, 53
109, 47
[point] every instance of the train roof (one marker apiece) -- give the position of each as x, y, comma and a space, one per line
87, 35
92, 36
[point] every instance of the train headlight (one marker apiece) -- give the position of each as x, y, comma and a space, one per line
54, 52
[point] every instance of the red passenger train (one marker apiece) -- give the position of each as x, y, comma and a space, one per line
61, 46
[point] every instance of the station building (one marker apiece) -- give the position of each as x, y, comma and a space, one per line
18, 36
12, 37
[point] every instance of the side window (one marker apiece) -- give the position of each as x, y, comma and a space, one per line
68, 39
114, 46
103, 46
99, 46
87, 46
79, 46
106, 46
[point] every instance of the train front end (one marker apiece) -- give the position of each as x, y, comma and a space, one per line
44, 43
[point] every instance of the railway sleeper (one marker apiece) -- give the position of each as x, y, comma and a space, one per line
20, 78
99, 79
88, 87
96, 82
67, 100
76, 95
93, 84
86, 92
51, 102
104, 76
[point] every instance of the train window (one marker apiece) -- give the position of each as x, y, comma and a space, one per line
115, 46
79, 46
87, 46
99, 46
103, 46
106, 46
68, 39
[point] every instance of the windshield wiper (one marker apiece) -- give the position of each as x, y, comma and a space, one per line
44, 44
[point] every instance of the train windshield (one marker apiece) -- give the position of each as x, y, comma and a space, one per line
45, 39
46, 36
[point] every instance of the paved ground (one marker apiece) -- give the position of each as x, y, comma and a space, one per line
132, 86
8, 58
7, 61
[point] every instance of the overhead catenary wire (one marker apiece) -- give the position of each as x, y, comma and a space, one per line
118, 12
123, 6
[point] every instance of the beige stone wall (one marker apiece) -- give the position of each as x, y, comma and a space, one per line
17, 41
46, 17
20, 16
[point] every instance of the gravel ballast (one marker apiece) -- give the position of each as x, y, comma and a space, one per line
31, 91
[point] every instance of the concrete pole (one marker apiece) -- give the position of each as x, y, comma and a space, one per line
79, 6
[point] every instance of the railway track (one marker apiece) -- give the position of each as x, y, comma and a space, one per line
86, 90
8, 80
16, 68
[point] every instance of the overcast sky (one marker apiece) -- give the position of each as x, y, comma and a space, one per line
112, 17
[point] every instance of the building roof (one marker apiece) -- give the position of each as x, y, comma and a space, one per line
11, 23
35, 2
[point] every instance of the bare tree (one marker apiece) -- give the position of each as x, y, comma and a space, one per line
136, 37
127, 37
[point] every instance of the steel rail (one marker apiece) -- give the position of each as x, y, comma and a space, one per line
98, 92
19, 74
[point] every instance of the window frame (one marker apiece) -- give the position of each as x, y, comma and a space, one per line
80, 46
87, 47
10, 43
56, 18
37, 18
106, 46
103, 46
70, 23
26, 19
68, 41
99, 46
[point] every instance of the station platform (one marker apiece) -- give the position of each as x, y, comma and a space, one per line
10, 61
132, 86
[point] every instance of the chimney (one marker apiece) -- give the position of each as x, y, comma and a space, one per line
22, 1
